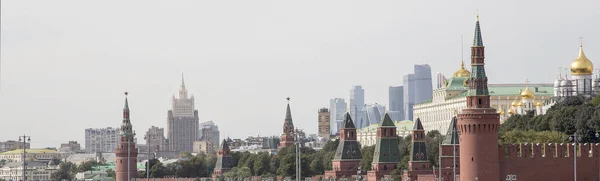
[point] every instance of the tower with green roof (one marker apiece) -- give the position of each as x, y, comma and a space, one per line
418, 163
126, 152
224, 160
347, 157
387, 154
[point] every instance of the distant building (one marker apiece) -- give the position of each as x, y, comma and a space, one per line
209, 131
370, 114
12, 145
367, 136
70, 147
101, 139
337, 109
357, 101
204, 146
182, 121
37, 154
417, 88
36, 170
323, 123
396, 102
440, 80
155, 138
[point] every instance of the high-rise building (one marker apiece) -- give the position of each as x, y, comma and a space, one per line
440, 80
101, 139
417, 88
396, 98
209, 131
155, 139
337, 110
370, 114
183, 122
357, 101
324, 122
126, 153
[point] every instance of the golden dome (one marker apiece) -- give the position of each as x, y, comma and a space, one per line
514, 103
527, 93
462, 72
520, 104
501, 112
511, 112
582, 65
538, 104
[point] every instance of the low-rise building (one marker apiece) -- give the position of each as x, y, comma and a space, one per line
70, 147
31, 154
367, 136
12, 145
35, 170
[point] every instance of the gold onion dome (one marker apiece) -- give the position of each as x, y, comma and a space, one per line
462, 72
514, 103
520, 104
500, 111
527, 93
582, 65
511, 112
538, 104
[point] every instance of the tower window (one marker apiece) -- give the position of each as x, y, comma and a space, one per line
479, 100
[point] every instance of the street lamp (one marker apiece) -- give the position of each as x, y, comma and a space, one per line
575, 139
598, 156
28, 139
149, 139
298, 154
358, 176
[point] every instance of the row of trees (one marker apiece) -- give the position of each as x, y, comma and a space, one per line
571, 115
68, 170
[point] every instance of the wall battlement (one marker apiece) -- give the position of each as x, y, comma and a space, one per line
549, 162
548, 151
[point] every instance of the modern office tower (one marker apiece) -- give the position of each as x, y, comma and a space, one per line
101, 139
357, 101
337, 110
182, 121
396, 104
370, 114
417, 88
209, 131
409, 96
440, 80
324, 122
155, 139
423, 84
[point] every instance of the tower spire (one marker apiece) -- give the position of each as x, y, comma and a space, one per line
126, 102
477, 41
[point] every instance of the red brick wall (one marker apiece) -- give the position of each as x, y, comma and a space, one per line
548, 162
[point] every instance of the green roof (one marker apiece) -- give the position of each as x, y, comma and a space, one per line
387, 121
456, 83
34, 151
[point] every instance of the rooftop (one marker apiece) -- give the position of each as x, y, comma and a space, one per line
34, 151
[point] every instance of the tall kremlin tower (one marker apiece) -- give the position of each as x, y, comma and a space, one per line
126, 152
478, 123
287, 138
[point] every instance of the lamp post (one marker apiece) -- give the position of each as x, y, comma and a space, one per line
25, 139
358, 174
298, 154
149, 138
575, 138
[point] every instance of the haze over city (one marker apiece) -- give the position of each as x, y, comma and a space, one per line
66, 64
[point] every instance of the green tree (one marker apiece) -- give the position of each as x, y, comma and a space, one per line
432, 142
367, 157
87, 165
111, 173
262, 164
67, 170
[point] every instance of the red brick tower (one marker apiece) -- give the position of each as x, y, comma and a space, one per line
387, 152
478, 123
126, 152
224, 160
287, 138
418, 164
347, 157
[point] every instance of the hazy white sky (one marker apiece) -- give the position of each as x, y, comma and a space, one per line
66, 64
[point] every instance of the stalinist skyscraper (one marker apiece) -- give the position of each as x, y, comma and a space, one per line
182, 122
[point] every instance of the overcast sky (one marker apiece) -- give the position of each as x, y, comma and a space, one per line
66, 64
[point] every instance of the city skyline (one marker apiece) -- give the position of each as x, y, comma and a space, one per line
67, 67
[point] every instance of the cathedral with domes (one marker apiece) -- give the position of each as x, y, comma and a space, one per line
581, 83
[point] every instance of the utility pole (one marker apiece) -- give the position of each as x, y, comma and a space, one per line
25, 140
